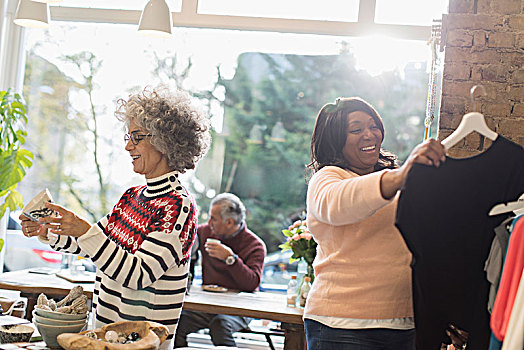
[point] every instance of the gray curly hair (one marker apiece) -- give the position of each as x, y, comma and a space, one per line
179, 129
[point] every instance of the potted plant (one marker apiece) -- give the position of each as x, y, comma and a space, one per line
14, 160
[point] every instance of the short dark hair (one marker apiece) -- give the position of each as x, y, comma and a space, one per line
330, 133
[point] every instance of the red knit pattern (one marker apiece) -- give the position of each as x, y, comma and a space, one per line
135, 216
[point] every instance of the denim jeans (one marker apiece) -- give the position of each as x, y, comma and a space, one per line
322, 337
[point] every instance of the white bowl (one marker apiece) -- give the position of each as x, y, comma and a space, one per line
52, 321
59, 315
50, 332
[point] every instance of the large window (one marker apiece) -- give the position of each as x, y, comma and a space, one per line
314, 70
329, 10
409, 12
261, 89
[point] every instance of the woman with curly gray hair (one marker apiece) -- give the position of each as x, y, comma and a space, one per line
176, 127
142, 247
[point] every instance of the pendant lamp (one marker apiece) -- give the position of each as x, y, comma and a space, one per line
155, 19
256, 135
278, 133
32, 14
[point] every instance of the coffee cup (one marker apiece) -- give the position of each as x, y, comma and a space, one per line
212, 240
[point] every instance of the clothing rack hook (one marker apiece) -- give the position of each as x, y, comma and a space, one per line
472, 95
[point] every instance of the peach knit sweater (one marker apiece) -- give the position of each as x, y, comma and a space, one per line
362, 264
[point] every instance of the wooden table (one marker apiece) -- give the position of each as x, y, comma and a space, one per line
261, 305
30, 285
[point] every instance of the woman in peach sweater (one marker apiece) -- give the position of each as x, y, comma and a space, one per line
361, 298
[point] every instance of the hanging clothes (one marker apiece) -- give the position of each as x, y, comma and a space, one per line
509, 282
495, 260
515, 334
493, 268
443, 216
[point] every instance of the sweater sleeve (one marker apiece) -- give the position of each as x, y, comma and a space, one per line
247, 270
158, 252
336, 197
64, 244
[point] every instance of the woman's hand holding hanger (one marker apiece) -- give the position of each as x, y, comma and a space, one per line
430, 152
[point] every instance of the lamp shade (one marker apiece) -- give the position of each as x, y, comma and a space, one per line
155, 19
278, 133
256, 135
32, 14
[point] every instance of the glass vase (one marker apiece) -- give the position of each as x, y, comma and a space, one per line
310, 272
304, 269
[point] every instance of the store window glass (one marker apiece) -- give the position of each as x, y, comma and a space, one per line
329, 10
410, 12
262, 91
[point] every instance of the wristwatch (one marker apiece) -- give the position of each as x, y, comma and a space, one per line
230, 260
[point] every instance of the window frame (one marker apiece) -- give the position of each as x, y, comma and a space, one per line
189, 17
12, 36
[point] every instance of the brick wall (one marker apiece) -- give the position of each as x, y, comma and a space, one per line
484, 44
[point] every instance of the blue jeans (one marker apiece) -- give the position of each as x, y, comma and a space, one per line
322, 337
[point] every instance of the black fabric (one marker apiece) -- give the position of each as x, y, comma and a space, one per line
443, 216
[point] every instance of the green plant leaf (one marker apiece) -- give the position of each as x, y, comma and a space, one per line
13, 201
284, 246
287, 233
13, 160
18, 105
3, 207
292, 260
25, 158
12, 167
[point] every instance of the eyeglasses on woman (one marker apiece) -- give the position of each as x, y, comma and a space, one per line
135, 137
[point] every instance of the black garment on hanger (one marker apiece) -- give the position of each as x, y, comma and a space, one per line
442, 214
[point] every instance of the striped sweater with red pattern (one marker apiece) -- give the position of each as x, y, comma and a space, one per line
141, 250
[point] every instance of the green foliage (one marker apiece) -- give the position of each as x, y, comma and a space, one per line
14, 160
270, 176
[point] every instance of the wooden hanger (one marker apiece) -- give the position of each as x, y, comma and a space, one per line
515, 206
473, 121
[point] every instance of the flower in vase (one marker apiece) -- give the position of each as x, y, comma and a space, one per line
301, 242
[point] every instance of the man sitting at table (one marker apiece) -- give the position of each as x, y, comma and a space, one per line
232, 257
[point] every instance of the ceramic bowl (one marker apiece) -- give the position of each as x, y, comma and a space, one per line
50, 332
59, 315
16, 333
55, 322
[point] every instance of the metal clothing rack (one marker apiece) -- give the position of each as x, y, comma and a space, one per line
433, 85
